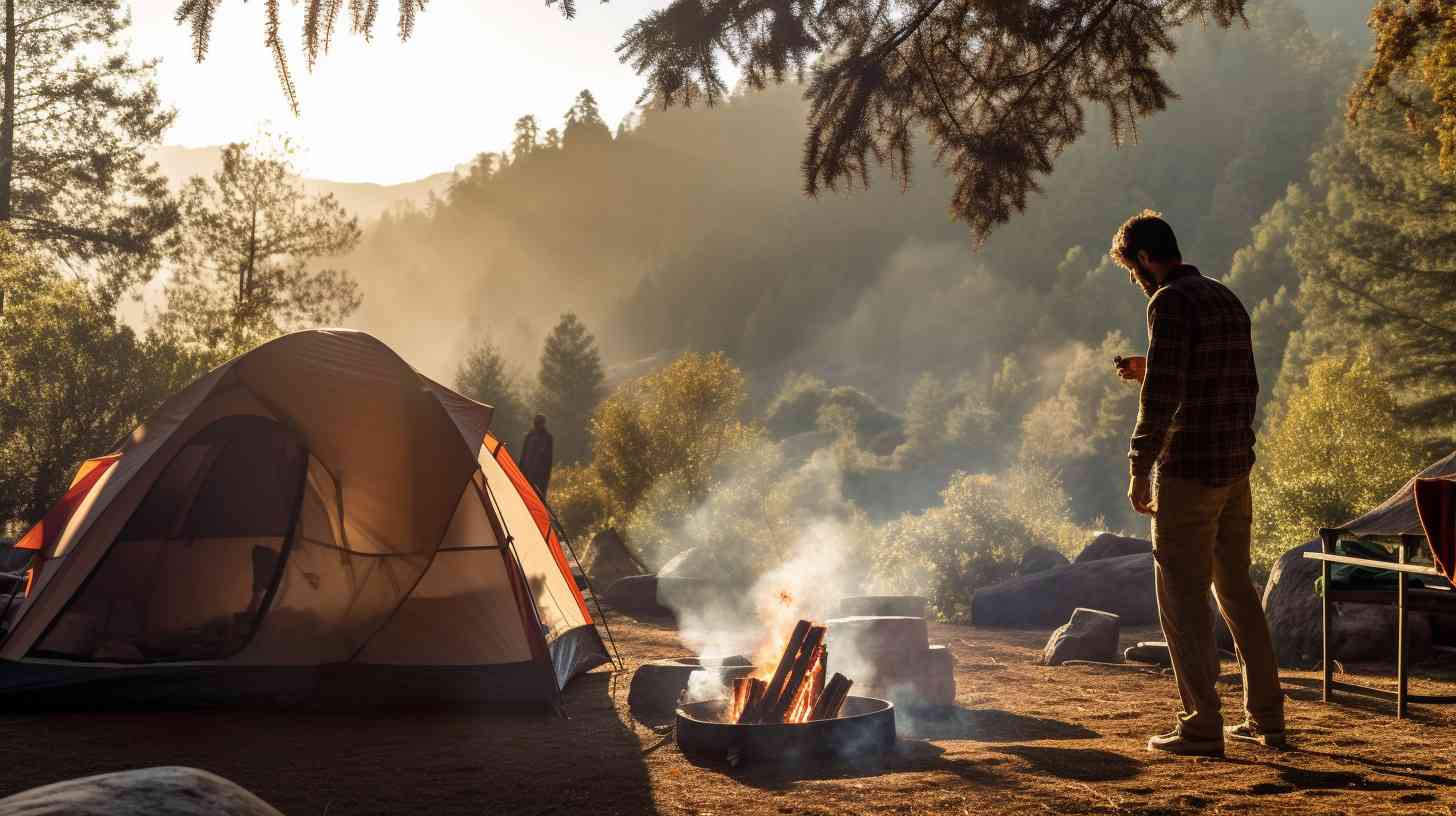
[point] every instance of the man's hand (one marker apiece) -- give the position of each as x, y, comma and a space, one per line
1132, 368
1140, 494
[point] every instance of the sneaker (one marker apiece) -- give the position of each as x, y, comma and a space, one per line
1248, 732
1176, 743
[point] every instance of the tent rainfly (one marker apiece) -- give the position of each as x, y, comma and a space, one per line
313, 516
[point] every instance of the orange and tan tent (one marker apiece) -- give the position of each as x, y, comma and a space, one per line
313, 511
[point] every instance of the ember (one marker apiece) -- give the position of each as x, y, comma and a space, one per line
797, 692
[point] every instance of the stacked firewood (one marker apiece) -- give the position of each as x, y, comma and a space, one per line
798, 692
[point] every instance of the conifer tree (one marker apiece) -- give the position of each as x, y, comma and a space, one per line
76, 118
1377, 258
485, 376
584, 123
571, 384
245, 264
527, 137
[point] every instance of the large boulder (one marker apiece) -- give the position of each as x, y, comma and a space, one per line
1107, 545
1360, 631
1293, 609
653, 595
1089, 635
1040, 559
166, 791
1122, 586
609, 560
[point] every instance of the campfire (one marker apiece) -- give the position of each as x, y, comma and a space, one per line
797, 692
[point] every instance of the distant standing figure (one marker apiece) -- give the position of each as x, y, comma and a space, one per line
536, 455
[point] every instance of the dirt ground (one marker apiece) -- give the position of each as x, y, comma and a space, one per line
1023, 739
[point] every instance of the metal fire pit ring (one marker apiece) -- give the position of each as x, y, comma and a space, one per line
865, 726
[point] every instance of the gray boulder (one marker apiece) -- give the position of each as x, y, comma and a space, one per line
1122, 586
1040, 559
1089, 635
609, 560
652, 595
166, 791
1360, 631
694, 562
1293, 609
1107, 545
1149, 651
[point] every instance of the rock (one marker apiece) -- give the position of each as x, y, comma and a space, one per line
609, 560
651, 595
1148, 651
635, 595
1366, 632
1293, 609
904, 606
1122, 586
1090, 635
1361, 631
1107, 545
877, 651
694, 562
165, 791
939, 686
657, 684
1040, 559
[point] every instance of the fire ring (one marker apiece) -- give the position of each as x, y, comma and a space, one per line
865, 726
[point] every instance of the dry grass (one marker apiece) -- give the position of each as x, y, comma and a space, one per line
1025, 739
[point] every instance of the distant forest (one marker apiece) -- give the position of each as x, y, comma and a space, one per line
684, 230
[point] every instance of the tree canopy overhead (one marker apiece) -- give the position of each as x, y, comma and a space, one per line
999, 85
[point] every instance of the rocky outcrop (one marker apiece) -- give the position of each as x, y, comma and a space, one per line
1122, 586
165, 791
1107, 545
1089, 635
1040, 559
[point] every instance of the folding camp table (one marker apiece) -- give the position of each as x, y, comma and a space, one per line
1440, 598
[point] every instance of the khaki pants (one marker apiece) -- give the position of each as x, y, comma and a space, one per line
1201, 536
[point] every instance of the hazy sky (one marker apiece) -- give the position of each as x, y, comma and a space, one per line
388, 111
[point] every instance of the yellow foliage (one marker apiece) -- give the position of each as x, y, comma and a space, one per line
1334, 451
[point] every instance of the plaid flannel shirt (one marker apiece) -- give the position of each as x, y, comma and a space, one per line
1196, 412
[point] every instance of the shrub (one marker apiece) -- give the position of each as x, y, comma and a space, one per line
1334, 451
974, 538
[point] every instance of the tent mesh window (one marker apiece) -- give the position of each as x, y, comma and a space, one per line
189, 575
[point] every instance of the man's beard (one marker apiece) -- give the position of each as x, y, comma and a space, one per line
1144, 279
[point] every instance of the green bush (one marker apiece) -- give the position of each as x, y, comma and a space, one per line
1334, 451
974, 538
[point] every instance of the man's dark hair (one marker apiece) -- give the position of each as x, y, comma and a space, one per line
1144, 232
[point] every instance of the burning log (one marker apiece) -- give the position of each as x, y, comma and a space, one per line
775, 687
803, 663
753, 701
829, 703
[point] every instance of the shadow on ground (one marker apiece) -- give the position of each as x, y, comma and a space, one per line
984, 725
437, 761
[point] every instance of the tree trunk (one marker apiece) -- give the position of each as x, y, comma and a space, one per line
7, 116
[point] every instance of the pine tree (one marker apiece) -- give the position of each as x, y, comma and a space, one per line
245, 266
527, 138
76, 118
1377, 257
485, 376
571, 384
584, 125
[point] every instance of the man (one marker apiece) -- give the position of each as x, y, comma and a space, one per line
536, 455
1191, 454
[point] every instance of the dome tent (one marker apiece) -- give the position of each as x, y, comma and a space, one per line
313, 515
